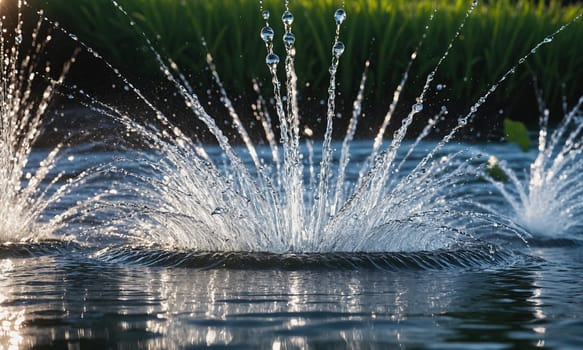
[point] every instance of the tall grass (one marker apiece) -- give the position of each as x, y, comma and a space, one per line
384, 31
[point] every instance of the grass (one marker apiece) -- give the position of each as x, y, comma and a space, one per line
496, 35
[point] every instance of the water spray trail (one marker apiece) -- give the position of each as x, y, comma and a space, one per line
345, 153
193, 103
292, 181
295, 174
229, 105
262, 114
25, 198
378, 140
293, 113
388, 157
321, 196
463, 121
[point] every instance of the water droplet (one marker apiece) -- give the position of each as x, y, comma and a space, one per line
265, 15
272, 60
287, 18
289, 38
440, 87
338, 48
267, 34
218, 211
18, 39
339, 16
417, 107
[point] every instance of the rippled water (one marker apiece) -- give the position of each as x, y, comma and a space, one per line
508, 294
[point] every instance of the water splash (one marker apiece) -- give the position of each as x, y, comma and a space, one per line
27, 193
546, 200
292, 196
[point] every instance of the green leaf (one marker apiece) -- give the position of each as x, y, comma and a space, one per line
516, 132
494, 171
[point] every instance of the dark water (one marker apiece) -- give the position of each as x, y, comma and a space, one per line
69, 295
63, 298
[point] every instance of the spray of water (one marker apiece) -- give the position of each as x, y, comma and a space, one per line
545, 200
27, 192
291, 195
287, 197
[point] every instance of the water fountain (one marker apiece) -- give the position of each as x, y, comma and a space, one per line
286, 202
288, 197
294, 197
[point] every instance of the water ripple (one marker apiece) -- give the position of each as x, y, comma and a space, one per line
463, 256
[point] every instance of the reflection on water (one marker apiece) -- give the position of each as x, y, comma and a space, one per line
11, 321
60, 300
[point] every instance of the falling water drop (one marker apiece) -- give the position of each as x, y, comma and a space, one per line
218, 211
267, 34
339, 16
417, 107
287, 18
265, 15
289, 38
338, 48
272, 60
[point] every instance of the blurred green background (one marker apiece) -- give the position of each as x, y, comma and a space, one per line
385, 32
